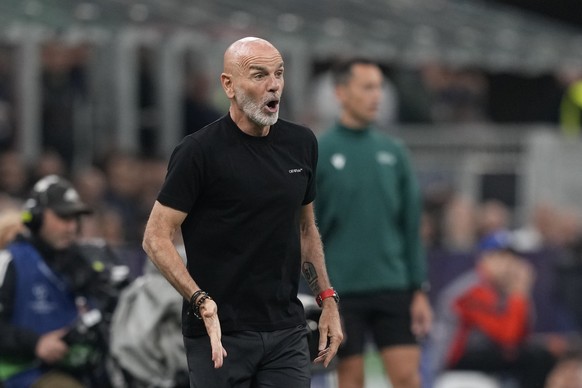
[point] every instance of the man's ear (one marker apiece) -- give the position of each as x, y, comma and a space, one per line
226, 82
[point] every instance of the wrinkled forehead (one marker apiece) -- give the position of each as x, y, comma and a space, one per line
252, 61
253, 55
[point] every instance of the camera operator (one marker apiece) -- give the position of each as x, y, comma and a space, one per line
37, 303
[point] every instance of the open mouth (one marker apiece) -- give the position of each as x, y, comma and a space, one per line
273, 105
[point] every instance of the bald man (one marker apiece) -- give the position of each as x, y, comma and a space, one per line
241, 190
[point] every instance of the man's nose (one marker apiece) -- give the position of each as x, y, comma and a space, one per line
274, 83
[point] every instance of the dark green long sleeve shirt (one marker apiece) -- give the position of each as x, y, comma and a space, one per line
368, 210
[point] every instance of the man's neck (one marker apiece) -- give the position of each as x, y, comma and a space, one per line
249, 127
353, 123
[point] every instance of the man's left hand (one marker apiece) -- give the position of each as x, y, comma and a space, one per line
421, 314
330, 332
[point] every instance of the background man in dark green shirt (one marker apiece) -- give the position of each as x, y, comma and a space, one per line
368, 210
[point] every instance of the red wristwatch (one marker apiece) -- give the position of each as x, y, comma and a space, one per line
329, 293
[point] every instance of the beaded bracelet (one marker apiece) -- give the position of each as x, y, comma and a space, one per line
195, 296
195, 304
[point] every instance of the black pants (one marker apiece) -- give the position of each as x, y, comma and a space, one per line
529, 365
276, 359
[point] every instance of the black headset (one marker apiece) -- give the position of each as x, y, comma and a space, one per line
34, 206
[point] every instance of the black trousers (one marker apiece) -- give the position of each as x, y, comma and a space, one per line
275, 359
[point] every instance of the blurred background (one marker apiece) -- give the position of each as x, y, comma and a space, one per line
487, 95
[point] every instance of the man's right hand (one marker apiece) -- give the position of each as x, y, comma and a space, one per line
209, 314
50, 347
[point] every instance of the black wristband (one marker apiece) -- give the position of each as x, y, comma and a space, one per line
195, 296
195, 304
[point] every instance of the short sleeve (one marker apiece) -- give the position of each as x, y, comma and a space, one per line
184, 176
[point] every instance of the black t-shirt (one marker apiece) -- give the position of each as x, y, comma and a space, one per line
244, 195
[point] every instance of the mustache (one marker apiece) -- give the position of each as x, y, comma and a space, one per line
272, 97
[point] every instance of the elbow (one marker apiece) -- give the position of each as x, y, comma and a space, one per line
148, 242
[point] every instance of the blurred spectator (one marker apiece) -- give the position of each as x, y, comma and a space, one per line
124, 174
567, 373
37, 290
6, 100
149, 119
198, 109
49, 162
106, 222
154, 173
484, 318
457, 95
64, 87
414, 98
567, 243
569, 233
91, 183
435, 93
460, 224
493, 216
435, 199
14, 175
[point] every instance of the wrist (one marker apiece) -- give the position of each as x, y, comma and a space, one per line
422, 287
196, 300
326, 294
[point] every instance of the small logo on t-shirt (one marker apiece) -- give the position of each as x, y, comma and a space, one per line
295, 170
384, 157
338, 161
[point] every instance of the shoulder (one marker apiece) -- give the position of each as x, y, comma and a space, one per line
297, 132
387, 138
194, 144
20, 253
391, 143
329, 138
287, 125
207, 133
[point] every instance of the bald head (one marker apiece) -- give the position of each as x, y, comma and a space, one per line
238, 54
253, 82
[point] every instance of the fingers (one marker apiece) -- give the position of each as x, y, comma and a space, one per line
421, 323
334, 344
326, 355
323, 339
50, 347
209, 312
321, 355
330, 336
218, 355
420, 328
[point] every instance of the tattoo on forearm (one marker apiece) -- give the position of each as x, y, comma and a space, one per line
310, 275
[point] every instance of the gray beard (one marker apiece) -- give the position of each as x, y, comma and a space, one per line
254, 111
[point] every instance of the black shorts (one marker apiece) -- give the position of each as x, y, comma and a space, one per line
383, 315
255, 360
